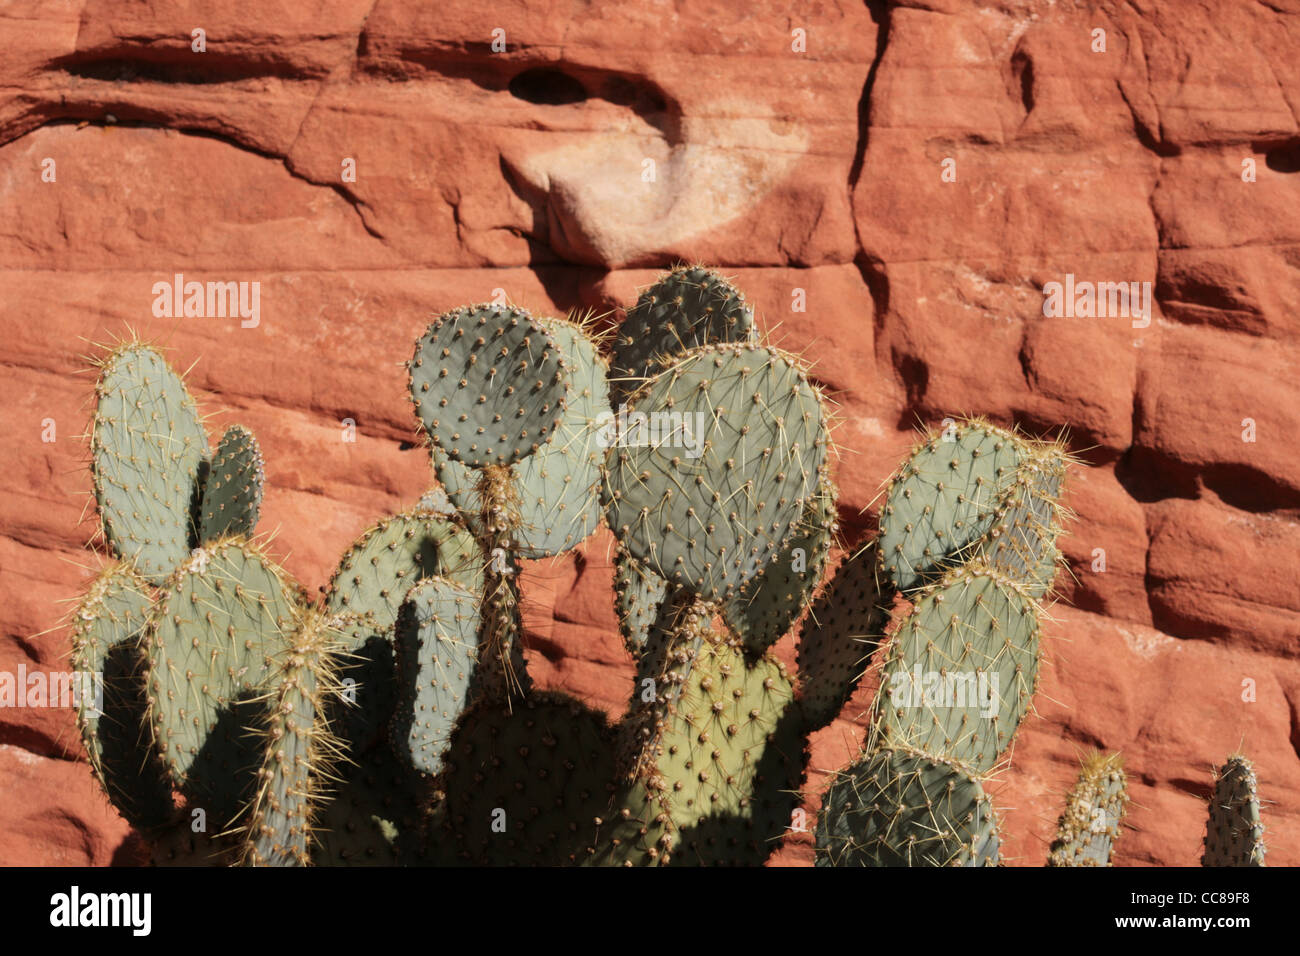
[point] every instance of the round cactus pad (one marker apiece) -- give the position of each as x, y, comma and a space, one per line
685, 309
558, 486
713, 468
489, 384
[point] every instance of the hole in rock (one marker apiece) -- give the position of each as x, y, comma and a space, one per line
1284, 158
547, 88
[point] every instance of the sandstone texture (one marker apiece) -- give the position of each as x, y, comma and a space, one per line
913, 173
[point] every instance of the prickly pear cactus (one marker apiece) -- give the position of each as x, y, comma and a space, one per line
437, 652
900, 807
1234, 835
845, 625
232, 491
638, 596
946, 498
689, 307
489, 384
220, 621
300, 749
765, 608
719, 782
147, 449
107, 647
1094, 814
967, 535
962, 669
557, 486
392, 721
707, 488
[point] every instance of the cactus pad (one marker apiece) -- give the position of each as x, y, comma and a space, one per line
945, 498
525, 788
1022, 541
1234, 835
437, 649
300, 750
378, 570
685, 309
845, 625
232, 493
765, 608
1094, 813
147, 448
107, 630
638, 596
961, 671
897, 807
372, 580
558, 486
719, 785
488, 384
223, 618
707, 488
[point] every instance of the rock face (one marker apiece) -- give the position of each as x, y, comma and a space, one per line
893, 186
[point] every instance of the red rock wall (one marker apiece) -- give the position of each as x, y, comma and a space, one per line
819, 170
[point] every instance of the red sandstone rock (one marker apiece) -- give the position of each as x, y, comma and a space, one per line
523, 172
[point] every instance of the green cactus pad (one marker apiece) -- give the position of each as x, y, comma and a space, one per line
1022, 541
897, 807
687, 308
731, 759
219, 624
232, 492
488, 384
107, 629
961, 671
147, 448
372, 579
945, 498
638, 597
378, 570
710, 490
846, 624
371, 817
765, 608
525, 788
1234, 835
680, 628
720, 784
437, 649
299, 750
558, 486
1094, 813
